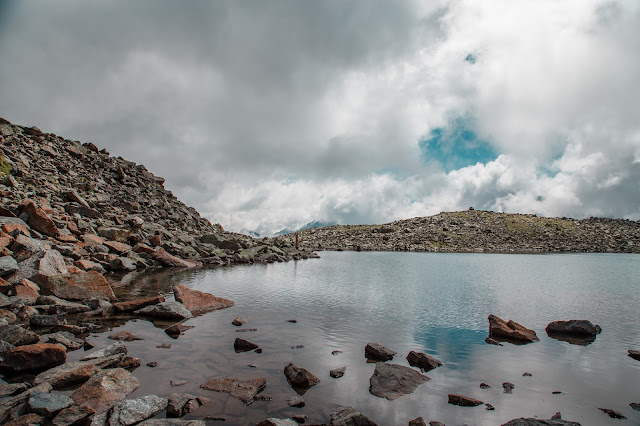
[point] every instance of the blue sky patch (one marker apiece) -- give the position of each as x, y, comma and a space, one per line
456, 146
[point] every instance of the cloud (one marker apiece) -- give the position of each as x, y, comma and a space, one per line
277, 114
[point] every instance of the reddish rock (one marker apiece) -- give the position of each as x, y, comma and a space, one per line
34, 357
244, 390
77, 286
424, 361
199, 302
27, 290
92, 240
143, 248
124, 336
87, 265
8, 315
10, 227
74, 415
161, 255
67, 238
38, 219
134, 305
463, 401
120, 248
105, 388
155, 240
299, 377
116, 234
378, 352
501, 329
5, 286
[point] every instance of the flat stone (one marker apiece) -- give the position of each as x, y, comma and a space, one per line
244, 390
161, 255
539, 422
134, 305
463, 401
34, 357
199, 302
61, 306
124, 336
10, 389
48, 404
78, 286
511, 330
118, 247
72, 373
116, 348
74, 415
105, 388
423, 361
167, 310
336, 373
38, 219
612, 413
132, 411
8, 265
300, 378
18, 336
391, 381
377, 352
347, 416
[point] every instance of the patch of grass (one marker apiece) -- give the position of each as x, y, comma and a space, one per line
5, 166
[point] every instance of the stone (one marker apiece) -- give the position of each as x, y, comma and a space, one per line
576, 329
539, 422
183, 403
417, 422
132, 411
122, 264
124, 336
77, 286
48, 404
87, 265
511, 331
92, 240
16, 406
391, 381
18, 336
277, 422
347, 416
484, 386
336, 373
377, 352
166, 310
105, 388
72, 373
37, 321
74, 415
38, 219
115, 234
296, 401
134, 305
635, 406
116, 348
6, 346
300, 378
176, 330
10, 389
423, 361
26, 289
199, 302
612, 413
172, 422
178, 382
244, 390
241, 345
27, 420
508, 387
8, 265
463, 401
161, 255
33, 357
238, 321
634, 354
61, 306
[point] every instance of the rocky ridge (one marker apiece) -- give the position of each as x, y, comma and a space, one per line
478, 231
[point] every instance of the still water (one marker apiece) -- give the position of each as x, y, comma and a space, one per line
433, 303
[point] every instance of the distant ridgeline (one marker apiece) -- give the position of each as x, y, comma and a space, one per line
480, 231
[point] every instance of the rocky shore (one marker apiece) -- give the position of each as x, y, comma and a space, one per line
479, 231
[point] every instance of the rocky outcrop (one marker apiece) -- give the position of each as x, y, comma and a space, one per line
391, 381
500, 329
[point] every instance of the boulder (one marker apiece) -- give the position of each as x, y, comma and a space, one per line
48, 404
10, 389
105, 388
16, 406
122, 264
296, 401
8, 265
18, 336
336, 373
510, 331
132, 411
77, 286
508, 387
199, 302
77, 372
241, 345
300, 378
238, 321
134, 305
573, 328
115, 234
423, 361
176, 330
463, 401
120, 248
244, 390
27, 290
539, 422
33, 357
74, 415
166, 310
38, 219
377, 352
347, 416
391, 381
167, 259
41, 265
631, 352
184, 403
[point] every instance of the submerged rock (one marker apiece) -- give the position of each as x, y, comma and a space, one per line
244, 390
347, 416
463, 401
199, 302
577, 332
238, 321
612, 413
423, 361
124, 336
539, 422
511, 330
241, 345
392, 381
300, 378
377, 352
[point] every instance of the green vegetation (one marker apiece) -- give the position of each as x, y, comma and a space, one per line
5, 166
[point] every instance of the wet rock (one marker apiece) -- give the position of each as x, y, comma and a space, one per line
122, 264
74, 415
244, 390
635, 406
33, 357
16, 406
48, 404
239, 321
277, 422
124, 336
423, 361
166, 310
199, 302
77, 286
152, 364
484, 386
296, 401
634, 354
576, 328
508, 387
392, 381
612, 413
241, 345
489, 407
511, 330
8, 266
164, 346
116, 348
17, 336
334, 353
132, 411
176, 330
377, 352
347, 416
105, 388
134, 305
527, 375
417, 422
184, 403
299, 418
463, 401
539, 422
299, 377
336, 373
177, 382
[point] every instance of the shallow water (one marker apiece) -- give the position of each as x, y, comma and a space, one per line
433, 303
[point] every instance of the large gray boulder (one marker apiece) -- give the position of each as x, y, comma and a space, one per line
8, 265
392, 381
166, 310
378, 352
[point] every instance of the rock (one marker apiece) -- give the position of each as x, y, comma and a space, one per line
161, 255
500, 329
6, 346
114, 234
18, 336
336, 373
33, 357
134, 305
347, 416
635, 406
176, 330
10, 389
178, 382
77, 286
105, 388
16, 406
198, 302
436, 423
27, 290
417, 422
132, 411
489, 407
484, 386
38, 219
72, 373
166, 310
27, 420
527, 374
8, 266
87, 265
539, 422
577, 328
296, 401
122, 264
377, 352
392, 381
463, 401
184, 403
239, 321
241, 345
48, 404
116, 348
557, 416
634, 354
152, 364
244, 390
508, 387
61, 306
37, 321
172, 422
612, 413
300, 378
423, 361
277, 422
124, 336
74, 415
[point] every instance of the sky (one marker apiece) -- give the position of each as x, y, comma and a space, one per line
266, 115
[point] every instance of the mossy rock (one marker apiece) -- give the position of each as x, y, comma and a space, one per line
5, 166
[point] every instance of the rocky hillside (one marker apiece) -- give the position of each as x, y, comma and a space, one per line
480, 231
102, 213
